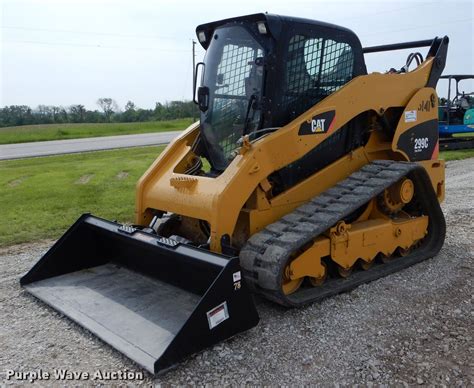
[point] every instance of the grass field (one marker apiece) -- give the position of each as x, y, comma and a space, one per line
28, 133
457, 155
42, 197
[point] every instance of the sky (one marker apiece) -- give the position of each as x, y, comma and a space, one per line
64, 52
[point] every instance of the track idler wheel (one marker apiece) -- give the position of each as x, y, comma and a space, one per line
366, 265
344, 272
404, 251
386, 259
316, 282
289, 285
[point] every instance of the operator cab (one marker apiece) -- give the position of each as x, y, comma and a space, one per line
262, 71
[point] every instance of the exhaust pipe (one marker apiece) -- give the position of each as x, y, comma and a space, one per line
152, 298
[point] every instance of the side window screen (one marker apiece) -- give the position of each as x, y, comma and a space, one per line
312, 56
316, 67
337, 65
235, 68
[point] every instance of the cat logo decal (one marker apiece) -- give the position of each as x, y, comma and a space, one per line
321, 123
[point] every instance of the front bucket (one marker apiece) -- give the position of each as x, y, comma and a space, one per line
152, 298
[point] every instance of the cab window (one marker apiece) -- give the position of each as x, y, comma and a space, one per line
316, 67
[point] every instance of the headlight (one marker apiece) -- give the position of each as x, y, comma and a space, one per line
202, 36
262, 28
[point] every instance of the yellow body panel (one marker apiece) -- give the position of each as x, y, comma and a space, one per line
361, 240
238, 193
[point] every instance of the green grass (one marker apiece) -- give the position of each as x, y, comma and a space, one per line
42, 197
467, 134
456, 155
29, 133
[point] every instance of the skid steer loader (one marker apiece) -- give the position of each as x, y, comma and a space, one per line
304, 177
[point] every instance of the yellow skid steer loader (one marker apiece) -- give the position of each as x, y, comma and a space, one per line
304, 177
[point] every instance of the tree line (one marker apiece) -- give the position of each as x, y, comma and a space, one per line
108, 111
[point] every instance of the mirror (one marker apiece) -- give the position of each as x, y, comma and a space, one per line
196, 72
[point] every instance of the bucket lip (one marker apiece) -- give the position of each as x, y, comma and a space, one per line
88, 218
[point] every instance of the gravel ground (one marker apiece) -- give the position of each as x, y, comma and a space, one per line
413, 327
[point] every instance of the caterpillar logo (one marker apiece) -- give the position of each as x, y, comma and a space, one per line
317, 125
321, 123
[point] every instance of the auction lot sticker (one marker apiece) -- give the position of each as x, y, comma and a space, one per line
217, 315
410, 116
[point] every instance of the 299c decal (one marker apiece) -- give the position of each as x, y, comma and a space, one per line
421, 143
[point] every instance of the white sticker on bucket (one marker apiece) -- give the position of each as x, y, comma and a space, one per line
217, 315
410, 116
237, 276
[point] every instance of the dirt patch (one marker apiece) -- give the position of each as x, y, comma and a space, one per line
16, 182
122, 175
84, 180
17, 249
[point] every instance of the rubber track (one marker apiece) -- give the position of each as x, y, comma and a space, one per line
266, 253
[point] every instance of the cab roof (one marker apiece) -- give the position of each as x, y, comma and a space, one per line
274, 22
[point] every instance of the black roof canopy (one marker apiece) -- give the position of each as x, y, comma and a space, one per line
275, 24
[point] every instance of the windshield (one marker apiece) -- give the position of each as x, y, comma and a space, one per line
234, 75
